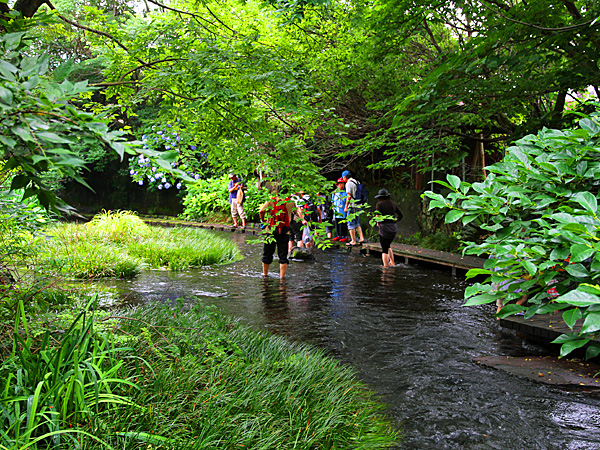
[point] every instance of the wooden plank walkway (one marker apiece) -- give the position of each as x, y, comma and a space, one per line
409, 252
543, 328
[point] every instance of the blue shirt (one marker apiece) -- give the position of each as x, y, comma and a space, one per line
338, 199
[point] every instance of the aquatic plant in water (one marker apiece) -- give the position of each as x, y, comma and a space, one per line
119, 226
119, 244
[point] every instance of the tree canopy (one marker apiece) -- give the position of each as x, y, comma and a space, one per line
294, 90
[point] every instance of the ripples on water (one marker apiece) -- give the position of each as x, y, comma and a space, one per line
407, 336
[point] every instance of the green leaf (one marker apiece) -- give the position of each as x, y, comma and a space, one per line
6, 96
9, 142
530, 267
170, 156
53, 137
568, 347
454, 181
577, 270
63, 71
453, 215
588, 201
8, 67
591, 323
32, 82
23, 133
571, 316
589, 125
560, 254
13, 40
19, 182
510, 310
589, 288
581, 252
119, 147
481, 299
592, 351
475, 272
578, 298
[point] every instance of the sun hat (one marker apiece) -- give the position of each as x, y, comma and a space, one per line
231, 175
345, 173
382, 193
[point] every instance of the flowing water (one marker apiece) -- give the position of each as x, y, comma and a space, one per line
407, 336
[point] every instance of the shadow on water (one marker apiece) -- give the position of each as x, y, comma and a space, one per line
407, 336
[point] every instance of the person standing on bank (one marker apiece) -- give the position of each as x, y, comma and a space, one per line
388, 227
352, 208
275, 216
236, 199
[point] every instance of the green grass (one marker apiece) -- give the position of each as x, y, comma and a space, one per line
119, 226
173, 379
121, 245
181, 248
90, 260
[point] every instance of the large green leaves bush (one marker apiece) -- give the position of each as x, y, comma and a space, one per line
537, 212
208, 197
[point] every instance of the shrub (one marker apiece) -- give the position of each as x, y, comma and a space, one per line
538, 216
204, 198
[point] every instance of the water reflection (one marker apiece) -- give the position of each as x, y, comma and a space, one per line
407, 336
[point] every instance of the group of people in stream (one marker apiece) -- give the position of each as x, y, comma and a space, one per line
291, 220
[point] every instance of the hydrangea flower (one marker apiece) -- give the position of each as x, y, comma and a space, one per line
197, 177
141, 182
178, 185
160, 187
167, 185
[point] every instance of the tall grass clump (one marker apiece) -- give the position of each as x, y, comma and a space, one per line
182, 248
119, 226
211, 383
52, 388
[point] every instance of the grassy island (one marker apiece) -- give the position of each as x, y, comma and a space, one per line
119, 244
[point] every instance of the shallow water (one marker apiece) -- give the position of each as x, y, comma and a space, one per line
407, 336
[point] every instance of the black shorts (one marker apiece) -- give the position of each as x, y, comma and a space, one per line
385, 243
279, 242
296, 231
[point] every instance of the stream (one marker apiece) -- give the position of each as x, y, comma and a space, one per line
406, 335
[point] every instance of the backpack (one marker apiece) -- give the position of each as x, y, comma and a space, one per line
362, 195
310, 212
